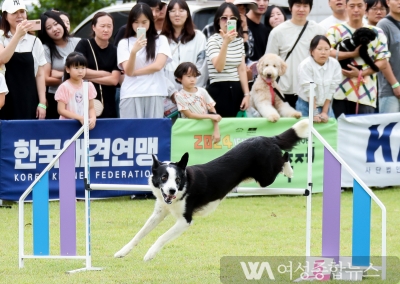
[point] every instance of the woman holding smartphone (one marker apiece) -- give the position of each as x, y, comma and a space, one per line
186, 43
57, 46
24, 59
226, 63
142, 55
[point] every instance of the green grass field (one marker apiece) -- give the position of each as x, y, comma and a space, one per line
243, 226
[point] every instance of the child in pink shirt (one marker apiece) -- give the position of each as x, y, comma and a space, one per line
69, 94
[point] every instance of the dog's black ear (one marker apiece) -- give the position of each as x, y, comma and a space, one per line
156, 163
184, 160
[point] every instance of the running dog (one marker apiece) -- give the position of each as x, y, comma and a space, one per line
198, 190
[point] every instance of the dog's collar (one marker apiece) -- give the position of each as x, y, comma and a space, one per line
275, 91
271, 90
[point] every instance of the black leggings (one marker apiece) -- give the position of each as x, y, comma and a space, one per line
291, 99
51, 111
228, 97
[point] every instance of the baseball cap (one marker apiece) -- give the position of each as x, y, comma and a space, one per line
251, 4
12, 6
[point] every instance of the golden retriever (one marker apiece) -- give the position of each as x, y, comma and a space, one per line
269, 67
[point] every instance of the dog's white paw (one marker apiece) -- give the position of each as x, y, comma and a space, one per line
123, 252
296, 114
273, 117
150, 254
287, 170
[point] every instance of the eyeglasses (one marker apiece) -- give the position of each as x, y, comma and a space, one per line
225, 18
180, 11
376, 9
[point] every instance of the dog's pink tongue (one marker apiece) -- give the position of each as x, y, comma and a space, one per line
269, 80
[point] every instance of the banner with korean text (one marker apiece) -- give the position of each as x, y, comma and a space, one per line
120, 152
194, 136
370, 144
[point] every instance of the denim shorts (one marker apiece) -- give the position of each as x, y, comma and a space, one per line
389, 104
302, 106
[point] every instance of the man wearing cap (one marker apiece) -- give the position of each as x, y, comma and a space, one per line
23, 56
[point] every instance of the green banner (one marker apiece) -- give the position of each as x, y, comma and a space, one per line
194, 136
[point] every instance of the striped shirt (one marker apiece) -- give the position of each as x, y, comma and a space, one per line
234, 57
377, 50
199, 102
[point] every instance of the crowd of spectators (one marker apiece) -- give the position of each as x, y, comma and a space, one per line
133, 77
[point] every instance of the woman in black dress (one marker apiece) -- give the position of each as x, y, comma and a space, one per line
105, 74
23, 57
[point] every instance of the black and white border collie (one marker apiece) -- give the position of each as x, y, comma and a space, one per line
197, 190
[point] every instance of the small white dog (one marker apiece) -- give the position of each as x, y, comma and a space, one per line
269, 67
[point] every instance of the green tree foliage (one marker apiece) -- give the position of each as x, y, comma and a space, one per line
77, 9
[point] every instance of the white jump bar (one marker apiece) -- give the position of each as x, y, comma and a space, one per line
272, 191
127, 187
143, 187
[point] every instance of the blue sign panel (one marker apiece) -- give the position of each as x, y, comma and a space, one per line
120, 153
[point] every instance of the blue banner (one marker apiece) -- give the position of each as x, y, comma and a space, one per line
120, 153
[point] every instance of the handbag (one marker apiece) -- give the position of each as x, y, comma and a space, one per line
290, 52
241, 113
98, 105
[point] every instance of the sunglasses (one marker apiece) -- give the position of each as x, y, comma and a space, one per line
225, 18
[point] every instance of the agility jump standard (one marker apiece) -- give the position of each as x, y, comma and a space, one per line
362, 194
67, 186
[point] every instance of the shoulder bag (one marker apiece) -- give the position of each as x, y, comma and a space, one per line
297, 40
396, 23
98, 105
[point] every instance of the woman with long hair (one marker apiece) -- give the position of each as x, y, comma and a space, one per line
102, 68
143, 59
186, 43
226, 64
57, 46
24, 60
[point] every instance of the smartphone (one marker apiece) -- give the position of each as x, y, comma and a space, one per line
231, 25
141, 31
36, 25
